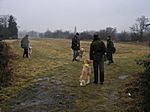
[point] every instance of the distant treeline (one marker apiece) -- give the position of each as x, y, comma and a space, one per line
88, 35
85, 35
138, 32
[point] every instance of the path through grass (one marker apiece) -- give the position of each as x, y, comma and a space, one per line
49, 81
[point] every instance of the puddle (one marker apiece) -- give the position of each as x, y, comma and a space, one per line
43, 79
123, 77
114, 96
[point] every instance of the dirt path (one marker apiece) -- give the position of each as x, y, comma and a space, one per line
60, 92
47, 94
57, 88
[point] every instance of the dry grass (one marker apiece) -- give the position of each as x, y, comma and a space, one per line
52, 58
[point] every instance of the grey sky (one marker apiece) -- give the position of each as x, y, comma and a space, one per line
40, 15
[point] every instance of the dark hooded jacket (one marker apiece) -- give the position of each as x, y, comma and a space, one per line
110, 46
97, 49
75, 43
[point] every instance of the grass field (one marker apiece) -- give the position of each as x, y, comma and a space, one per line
49, 80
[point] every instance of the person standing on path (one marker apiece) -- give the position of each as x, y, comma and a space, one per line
97, 51
25, 45
110, 50
75, 46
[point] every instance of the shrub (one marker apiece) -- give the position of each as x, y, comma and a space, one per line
5, 71
144, 84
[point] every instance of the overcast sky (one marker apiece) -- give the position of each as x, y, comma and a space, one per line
40, 15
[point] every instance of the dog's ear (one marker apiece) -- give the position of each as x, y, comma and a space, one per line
89, 61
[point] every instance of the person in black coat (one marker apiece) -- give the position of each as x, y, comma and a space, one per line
25, 45
97, 51
110, 50
75, 46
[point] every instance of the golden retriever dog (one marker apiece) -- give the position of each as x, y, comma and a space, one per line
85, 73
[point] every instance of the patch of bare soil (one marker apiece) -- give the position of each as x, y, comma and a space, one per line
46, 95
53, 93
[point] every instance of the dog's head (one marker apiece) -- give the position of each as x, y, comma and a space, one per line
87, 61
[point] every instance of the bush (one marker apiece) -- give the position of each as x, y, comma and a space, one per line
145, 63
5, 71
144, 84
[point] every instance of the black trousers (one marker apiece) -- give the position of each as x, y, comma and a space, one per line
109, 57
26, 52
75, 54
98, 69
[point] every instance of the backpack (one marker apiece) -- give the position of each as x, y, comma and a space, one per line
113, 50
22, 46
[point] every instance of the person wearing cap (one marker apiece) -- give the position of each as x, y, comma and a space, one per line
75, 46
110, 50
97, 51
25, 45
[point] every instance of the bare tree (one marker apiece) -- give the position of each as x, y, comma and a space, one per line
140, 27
111, 31
3, 26
4, 20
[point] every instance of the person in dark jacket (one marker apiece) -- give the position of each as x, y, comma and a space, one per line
97, 51
25, 46
75, 46
110, 50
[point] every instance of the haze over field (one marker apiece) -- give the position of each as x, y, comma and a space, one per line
41, 15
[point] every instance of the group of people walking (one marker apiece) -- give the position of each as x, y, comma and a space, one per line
98, 51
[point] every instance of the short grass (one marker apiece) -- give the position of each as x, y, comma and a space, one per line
52, 58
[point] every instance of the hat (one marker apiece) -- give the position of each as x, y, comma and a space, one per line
27, 35
95, 34
77, 33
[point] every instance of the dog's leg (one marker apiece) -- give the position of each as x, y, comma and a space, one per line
82, 83
88, 81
